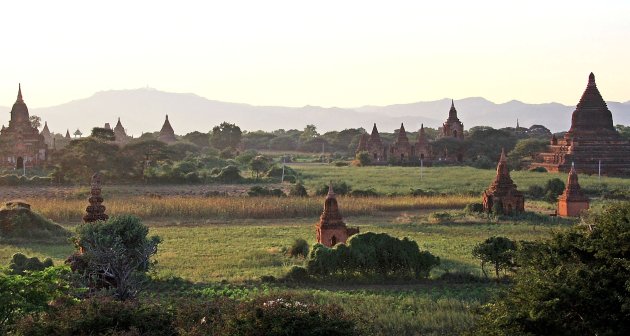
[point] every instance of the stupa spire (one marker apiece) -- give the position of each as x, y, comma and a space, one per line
19, 95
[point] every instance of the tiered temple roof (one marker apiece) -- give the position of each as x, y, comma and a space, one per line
453, 127
503, 190
572, 201
331, 228
166, 133
592, 141
96, 210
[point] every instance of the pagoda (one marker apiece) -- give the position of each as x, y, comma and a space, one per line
120, 135
22, 144
166, 133
48, 137
453, 127
331, 229
592, 142
422, 148
96, 210
503, 191
401, 149
363, 139
375, 146
572, 201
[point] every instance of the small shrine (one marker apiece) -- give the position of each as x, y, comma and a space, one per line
167, 134
96, 210
331, 229
572, 202
401, 150
502, 194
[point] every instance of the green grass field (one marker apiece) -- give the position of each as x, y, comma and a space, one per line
236, 253
455, 180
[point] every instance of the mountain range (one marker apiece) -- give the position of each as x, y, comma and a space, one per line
143, 110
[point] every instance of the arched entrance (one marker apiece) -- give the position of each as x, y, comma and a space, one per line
454, 133
333, 241
19, 164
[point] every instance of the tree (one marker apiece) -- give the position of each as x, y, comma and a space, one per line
225, 136
200, 139
553, 189
35, 121
574, 284
284, 142
526, 150
115, 254
259, 164
309, 132
363, 158
499, 251
624, 131
103, 134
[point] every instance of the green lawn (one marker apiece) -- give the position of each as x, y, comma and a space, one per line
385, 179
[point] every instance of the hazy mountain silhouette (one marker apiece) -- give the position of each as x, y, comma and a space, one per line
143, 110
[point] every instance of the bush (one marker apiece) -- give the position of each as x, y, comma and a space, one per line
370, 192
21, 263
553, 189
262, 191
362, 159
474, 208
499, 251
297, 273
440, 217
536, 192
538, 170
372, 254
230, 174
341, 163
573, 284
420, 192
340, 188
298, 190
114, 254
299, 248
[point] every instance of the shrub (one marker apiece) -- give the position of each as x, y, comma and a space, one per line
369, 192
341, 163
538, 170
115, 254
535, 191
262, 191
474, 208
440, 217
21, 263
363, 159
499, 251
340, 188
372, 254
229, 174
298, 190
573, 284
420, 192
297, 273
553, 189
299, 248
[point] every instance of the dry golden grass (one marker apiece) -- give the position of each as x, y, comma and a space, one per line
185, 208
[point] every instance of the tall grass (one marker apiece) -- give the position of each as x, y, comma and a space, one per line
185, 208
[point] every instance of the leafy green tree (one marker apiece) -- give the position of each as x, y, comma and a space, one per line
498, 251
623, 130
259, 164
574, 284
115, 254
284, 142
225, 135
257, 139
553, 189
526, 150
35, 121
103, 134
363, 158
309, 132
202, 140
82, 157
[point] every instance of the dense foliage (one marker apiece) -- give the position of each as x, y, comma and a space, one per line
498, 251
115, 254
578, 283
371, 254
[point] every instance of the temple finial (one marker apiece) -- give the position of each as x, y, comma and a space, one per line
452, 103
331, 192
591, 78
502, 159
167, 117
19, 96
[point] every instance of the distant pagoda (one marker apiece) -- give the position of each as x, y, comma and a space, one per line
422, 146
592, 141
452, 127
375, 146
167, 134
572, 202
503, 191
96, 210
331, 229
401, 149
120, 135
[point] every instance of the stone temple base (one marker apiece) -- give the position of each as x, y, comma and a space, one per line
571, 208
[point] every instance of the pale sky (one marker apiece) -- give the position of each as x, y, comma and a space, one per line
327, 53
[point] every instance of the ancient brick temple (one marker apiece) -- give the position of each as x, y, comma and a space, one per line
503, 191
422, 148
375, 146
21, 144
401, 150
96, 210
363, 139
120, 134
331, 229
166, 133
592, 141
572, 201
452, 127
48, 137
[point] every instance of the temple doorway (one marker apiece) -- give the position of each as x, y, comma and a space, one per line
19, 164
454, 133
333, 241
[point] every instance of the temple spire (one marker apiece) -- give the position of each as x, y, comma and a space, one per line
19, 96
331, 192
502, 159
591, 79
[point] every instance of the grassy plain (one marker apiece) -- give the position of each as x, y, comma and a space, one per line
448, 180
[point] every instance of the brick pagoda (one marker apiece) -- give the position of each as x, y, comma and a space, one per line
422, 148
592, 141
96, 210
453, 127
401, 150
166, 133
573, 201
503, 191
331, 229
21, 144
375, 146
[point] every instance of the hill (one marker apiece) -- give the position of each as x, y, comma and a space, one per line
143, 110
